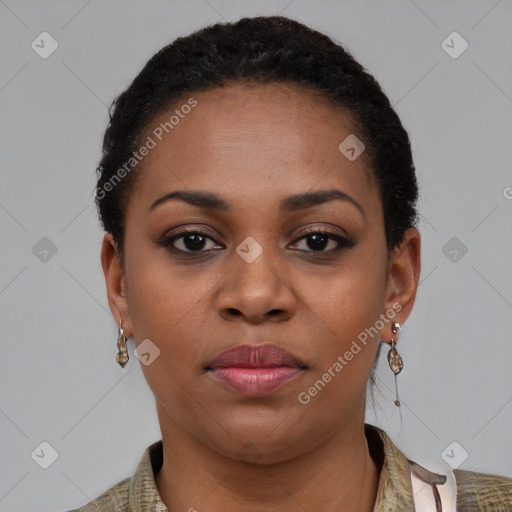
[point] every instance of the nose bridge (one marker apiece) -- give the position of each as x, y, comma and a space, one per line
254, 270
254, 287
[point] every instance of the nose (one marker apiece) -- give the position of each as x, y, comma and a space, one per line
256, 292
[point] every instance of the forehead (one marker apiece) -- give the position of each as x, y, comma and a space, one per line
249, 141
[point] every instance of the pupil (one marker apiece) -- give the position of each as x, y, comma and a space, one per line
195, 245
316, 244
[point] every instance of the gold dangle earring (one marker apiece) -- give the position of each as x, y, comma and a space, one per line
394, 360
122, 355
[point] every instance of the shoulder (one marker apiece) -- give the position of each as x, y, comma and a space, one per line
137, 492
115, 499
483, 492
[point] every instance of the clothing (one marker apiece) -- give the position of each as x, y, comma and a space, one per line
475, 492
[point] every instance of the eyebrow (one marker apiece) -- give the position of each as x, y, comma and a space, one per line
209, 201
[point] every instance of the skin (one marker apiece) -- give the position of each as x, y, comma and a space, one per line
254, 146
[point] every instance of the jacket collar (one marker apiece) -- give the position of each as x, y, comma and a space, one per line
395, 488
394, 491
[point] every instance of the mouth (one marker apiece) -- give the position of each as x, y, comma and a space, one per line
255, 370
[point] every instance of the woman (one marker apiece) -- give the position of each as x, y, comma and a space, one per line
259, 200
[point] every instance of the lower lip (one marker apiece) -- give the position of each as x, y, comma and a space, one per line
255, 381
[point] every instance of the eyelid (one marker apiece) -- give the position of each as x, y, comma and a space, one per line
200, 229
320, 229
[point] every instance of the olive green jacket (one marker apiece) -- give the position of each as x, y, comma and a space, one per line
475, 492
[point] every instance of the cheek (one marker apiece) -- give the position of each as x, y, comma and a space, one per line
345, 357
349, 305
351, 298
169, 306
160, 296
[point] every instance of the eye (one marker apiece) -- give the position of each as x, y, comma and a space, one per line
317, 240
189, 241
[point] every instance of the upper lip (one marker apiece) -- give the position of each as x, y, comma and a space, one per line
255, 356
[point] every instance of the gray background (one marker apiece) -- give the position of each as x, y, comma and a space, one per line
59, 380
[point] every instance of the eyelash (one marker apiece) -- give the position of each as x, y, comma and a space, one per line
167, 241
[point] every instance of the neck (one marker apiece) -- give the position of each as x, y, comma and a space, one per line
339, 475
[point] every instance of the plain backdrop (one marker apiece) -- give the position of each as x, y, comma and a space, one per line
59, 382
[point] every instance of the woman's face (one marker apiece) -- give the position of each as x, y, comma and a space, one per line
251, 275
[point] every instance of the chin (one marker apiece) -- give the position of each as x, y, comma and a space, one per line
259, 444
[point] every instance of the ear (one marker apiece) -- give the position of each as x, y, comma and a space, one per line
116, 284
402, 280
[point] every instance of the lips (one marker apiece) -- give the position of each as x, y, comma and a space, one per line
255, 356
255, 370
